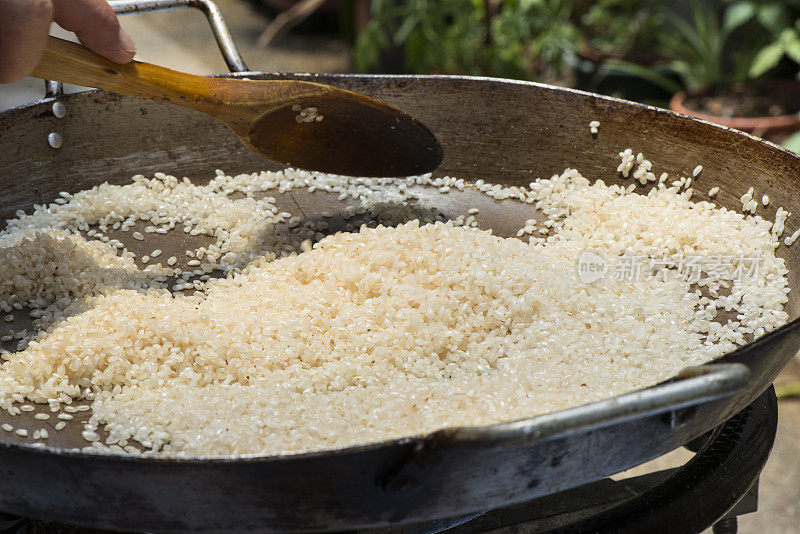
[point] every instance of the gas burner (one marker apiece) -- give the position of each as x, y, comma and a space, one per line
719, 483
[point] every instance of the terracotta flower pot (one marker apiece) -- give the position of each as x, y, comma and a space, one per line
773, 128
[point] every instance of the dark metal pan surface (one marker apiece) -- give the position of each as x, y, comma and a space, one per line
502, 131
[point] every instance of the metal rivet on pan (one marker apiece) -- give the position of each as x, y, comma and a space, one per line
54, 140
59, 110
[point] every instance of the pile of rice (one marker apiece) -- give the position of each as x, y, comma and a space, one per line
405, 325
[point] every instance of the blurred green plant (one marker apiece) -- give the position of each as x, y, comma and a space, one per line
708, 43
436, 35
779, 20
699, 50
792, 142
525, 37
718, 44
510, 38
614, 28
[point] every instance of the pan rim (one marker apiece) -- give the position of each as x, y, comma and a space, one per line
496, 428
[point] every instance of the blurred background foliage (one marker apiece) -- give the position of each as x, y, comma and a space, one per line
726, 58
523, 39
701, 42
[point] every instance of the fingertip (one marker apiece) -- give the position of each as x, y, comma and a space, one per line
117, 46
127, 48
96, 26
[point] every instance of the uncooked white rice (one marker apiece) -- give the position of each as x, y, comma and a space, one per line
781, 215
315, 341
789, 241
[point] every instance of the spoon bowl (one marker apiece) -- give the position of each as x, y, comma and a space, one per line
367, 136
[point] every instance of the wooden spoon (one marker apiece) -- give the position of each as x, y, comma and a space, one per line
301, 124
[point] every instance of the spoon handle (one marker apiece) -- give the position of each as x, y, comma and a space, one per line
73, 63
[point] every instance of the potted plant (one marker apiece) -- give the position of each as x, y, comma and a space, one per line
723, 56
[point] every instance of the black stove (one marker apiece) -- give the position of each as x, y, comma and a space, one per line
719, 483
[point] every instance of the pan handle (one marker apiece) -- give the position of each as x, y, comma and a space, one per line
218, 26
691, 387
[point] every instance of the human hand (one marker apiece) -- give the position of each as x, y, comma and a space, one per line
25, 24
